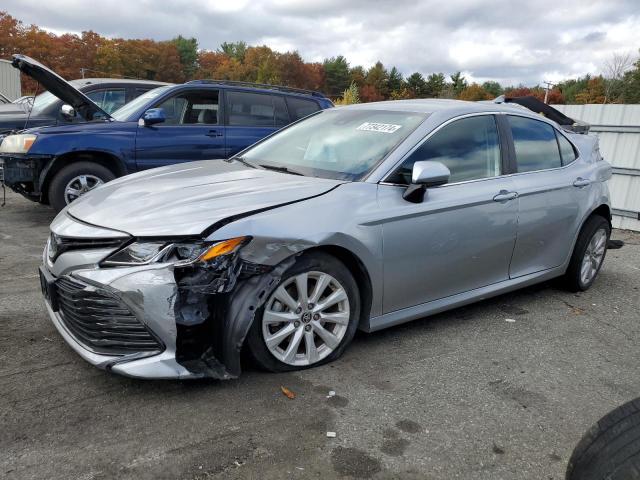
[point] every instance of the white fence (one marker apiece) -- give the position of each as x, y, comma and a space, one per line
618, 127
9, 80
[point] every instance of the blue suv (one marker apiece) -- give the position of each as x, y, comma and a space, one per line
198, 120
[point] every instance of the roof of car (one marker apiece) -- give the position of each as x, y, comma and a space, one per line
132, 81
431, 105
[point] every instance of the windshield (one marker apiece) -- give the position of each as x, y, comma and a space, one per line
43, 102
124, 112
342, 144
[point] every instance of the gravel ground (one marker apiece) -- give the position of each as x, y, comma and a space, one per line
464, 394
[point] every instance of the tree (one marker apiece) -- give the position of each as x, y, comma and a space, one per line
188, 51
631, 85
493, 88
358, 75
435, 84
594, 93
474, 92
235, 50
378, 79
417, 85
458, 83
614, 70
349, 96
337, 78
395, 80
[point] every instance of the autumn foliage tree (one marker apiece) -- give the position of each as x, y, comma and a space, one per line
180, 59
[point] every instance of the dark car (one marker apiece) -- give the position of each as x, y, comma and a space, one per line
199, 120
47, 109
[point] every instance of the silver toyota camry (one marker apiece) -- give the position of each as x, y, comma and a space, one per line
360, 217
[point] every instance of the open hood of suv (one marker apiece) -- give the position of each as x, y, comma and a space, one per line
59, 87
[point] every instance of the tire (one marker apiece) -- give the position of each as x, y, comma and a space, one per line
314, 265
610, 450
56, 193
573, 279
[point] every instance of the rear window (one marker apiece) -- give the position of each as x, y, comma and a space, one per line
300, 108
535, 144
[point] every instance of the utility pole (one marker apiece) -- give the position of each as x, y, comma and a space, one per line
82, 72
546, 92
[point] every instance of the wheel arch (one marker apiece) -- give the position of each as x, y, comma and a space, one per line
108, 160
360, 273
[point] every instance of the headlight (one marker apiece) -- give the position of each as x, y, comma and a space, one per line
20, 143
178, 253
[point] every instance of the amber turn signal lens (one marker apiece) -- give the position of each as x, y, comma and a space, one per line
221, 248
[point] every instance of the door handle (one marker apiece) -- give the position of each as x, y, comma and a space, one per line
213, 133
581, 182
505, 196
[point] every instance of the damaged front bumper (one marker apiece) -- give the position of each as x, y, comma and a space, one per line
156, 321
24, 173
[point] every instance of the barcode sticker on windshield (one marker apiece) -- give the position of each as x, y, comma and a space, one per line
379, 127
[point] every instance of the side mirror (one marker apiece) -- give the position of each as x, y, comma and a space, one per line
425, 174
67, 112
152, 117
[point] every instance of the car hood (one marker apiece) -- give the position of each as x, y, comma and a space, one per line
189, 198
59, 87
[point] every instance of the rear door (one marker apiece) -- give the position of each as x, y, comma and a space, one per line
251, 116
552, 196
192, 131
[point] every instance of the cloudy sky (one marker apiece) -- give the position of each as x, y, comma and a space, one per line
509, 41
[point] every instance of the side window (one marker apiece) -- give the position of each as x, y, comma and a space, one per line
567, 152
535, 144
469, 147
299, 107
191, 108
250, 109
109, 100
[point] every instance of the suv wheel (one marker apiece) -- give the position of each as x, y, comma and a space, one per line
309, 318
75, 180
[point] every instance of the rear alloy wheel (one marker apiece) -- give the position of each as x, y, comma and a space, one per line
588, 254
309, 318
75, 180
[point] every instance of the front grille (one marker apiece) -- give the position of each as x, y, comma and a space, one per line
100, 321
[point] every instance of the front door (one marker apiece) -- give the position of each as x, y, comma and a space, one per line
192, 131
462, 235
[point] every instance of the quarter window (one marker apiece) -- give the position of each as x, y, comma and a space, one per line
299, 107
567, 152
255, 109
191, 107
535, 144
469, 147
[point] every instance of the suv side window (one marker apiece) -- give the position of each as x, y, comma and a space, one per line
535, 144
249, 109
109, 100
469, 147
192, 107
567, 152
299, 107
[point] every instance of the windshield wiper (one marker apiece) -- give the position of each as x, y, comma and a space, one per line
281, 169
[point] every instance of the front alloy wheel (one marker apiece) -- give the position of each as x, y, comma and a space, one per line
306, 318
79, 186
